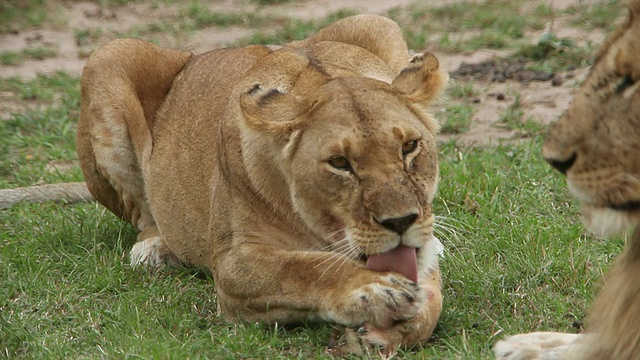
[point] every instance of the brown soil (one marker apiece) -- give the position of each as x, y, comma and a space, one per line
541, 100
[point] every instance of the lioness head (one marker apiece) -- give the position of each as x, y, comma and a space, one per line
596, 142
358, 155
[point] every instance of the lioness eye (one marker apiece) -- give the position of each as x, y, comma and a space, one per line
409, 147
340, 163
626, 82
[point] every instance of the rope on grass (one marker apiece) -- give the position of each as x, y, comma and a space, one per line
63, 192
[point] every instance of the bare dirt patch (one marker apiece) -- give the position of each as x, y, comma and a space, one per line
543, 95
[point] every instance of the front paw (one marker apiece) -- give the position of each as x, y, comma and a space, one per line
366, 340
535, 346
388, 299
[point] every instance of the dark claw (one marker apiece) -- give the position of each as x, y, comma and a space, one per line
394, 281
335, 338
332, 343
410, 298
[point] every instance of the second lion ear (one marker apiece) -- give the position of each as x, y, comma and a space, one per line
423, 80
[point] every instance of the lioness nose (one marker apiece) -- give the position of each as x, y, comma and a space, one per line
399, 224
562, 165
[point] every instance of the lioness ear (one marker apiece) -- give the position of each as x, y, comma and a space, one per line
422, 81
270, 111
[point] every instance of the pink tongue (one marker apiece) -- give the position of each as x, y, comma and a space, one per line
402, 260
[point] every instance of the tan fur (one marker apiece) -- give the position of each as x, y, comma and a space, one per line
222, 161
597, 142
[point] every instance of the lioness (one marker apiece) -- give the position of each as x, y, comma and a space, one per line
596, 144
301, 177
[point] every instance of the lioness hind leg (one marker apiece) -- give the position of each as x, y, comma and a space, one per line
121, 92
114, 177
123, 84
115, 157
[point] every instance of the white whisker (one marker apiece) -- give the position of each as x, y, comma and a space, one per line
336, 259
333, 233
447, 220
449, 227
336, 245
352, 254
333, 254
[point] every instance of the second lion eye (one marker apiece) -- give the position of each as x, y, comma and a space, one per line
626, 82
409, 147
340, 163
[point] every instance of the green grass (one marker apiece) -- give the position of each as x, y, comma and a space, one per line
513, 119
271, 2
522, 257
16, 15
40, 134
20, 15
199, 15
502, 16
599, 15
458, 119
484, 39
499, 23
31, 53
458, 112
10, 58
293, 29
196, 15
68, 293
517, 259
86, 35
461, 90
556, 54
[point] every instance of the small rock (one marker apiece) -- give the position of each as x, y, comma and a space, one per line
556, 81
33, 38
500, 96
100, 13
